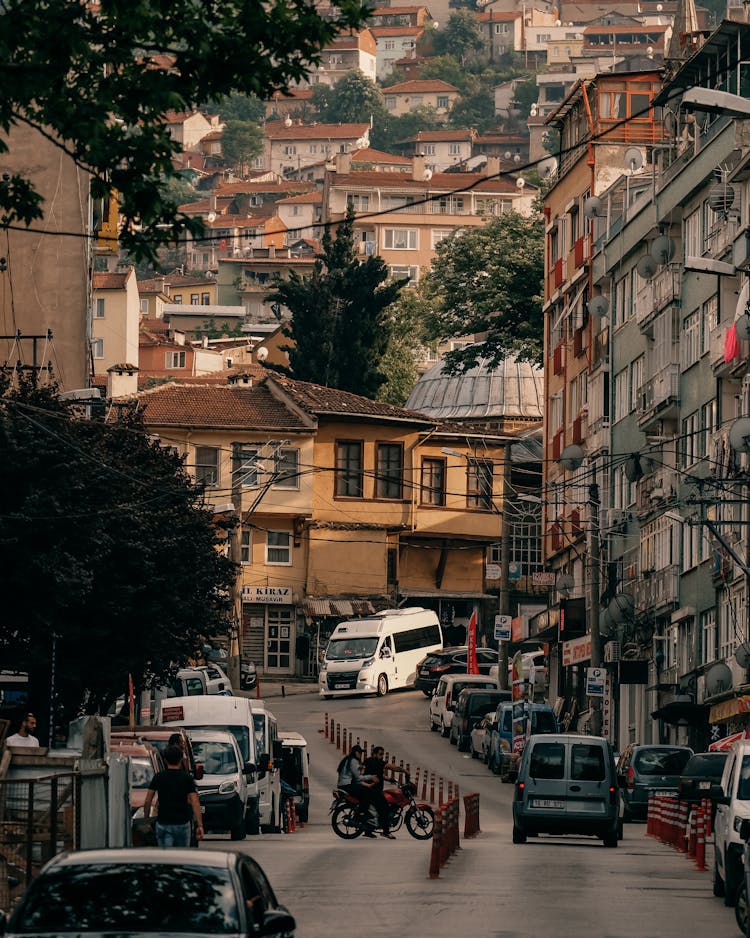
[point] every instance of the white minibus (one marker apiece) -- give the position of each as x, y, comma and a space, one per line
378, 653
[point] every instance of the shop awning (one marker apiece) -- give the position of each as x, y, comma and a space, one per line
423, 593
722, 745
727, 709
339, 608
677, 710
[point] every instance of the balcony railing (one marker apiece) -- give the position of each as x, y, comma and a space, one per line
721, 367
656, 490
666, 284
597, 436
721, 236
660, 391
658, 589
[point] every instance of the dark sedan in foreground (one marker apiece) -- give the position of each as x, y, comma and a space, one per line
151, 893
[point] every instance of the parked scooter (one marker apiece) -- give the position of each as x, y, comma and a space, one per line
350, 820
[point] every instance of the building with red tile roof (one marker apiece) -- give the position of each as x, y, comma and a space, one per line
408, 95
290, 147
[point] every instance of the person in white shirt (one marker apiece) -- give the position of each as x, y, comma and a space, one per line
23, 737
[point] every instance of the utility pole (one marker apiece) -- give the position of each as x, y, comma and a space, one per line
503, 606
594, 597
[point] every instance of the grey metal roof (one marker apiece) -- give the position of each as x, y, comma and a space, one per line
512, 389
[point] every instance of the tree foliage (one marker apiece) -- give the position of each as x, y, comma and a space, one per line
354, 99
240, 107
97, 79
396, 129
488, 281
460, 37
340, 324
105, 545
407, 342
241, 142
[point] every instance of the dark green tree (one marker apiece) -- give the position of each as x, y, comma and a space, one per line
354, 99
241, 142
98, 78
488, 281
408, 343
107, 552
340, 324
460, 37
239, 107
395, 130
476, 110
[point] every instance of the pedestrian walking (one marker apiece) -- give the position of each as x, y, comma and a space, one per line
177, 802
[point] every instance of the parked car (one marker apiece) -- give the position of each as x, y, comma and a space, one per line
703, 770
500, 756
144, 761
223, 790
646, 769
295, 771
151, 892
449, 661
480, 738
445, 695
732, 799
159, 737
567, 784
471, 706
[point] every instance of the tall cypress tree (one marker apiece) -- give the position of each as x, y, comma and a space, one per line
340, 324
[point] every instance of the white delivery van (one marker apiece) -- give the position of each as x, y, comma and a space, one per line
222, 789
378, 653
269, 753
216, 712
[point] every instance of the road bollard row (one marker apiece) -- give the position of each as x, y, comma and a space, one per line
682, 826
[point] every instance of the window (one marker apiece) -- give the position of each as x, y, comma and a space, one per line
175, 360
432, 489
692, 235
623, 299
143, 306
349, 469
246, 460
313, 148
708, 425
403, 272
400, 239
99, 310
290, 150
177, 299
194, 299
97, 348
360, 203
428, 149
690, 430
695, 546
278, 547
207, 465
622, 401
246, 546
636, 381
479, 484
389, 45
389, 469
547, 761
586, 763
287, 469
391, 566
390, 101
439, 234
709, 321
454, 149
442, 101
708, 633
422, 637
205, 299
690, 340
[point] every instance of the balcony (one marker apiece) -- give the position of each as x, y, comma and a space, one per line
656, 294
721, 237
658, 590
597, 436
659, 397
735, 367
656, 491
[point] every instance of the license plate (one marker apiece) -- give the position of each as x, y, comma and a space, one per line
340, 686
664, 794
547, 803
424, 672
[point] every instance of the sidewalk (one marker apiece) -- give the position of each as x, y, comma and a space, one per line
280, 687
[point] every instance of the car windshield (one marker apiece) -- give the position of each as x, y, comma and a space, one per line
459, 686
542, 722
241, 734
481, 703
259, 724
216, 758
706, 765
130, 897
661, 761
342, 649
141, 772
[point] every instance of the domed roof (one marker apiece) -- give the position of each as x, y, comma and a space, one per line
511, 390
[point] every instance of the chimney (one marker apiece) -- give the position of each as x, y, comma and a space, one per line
417, 167
492, 166
212, 201
343, 163
160, 283
122, 380
272, 250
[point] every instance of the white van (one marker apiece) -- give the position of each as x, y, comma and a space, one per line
269, 750
222, 789
378, 653
732, 808
443, 701
217, 712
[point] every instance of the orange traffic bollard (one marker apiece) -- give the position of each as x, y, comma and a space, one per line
437, 845
692, 832
700, 844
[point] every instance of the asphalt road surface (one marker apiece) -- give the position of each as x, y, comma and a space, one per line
565, 887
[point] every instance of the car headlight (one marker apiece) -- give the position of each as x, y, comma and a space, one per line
324, 665
369, 663
226, 787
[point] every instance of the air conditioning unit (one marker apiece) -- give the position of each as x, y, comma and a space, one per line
612, 652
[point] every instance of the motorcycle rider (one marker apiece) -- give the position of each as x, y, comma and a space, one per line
351, 779
376, 766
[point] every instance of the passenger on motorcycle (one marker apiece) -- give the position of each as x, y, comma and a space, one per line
352, 780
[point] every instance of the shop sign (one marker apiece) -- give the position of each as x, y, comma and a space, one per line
607, 708
270, 595
543, 578
576, 651
595, 682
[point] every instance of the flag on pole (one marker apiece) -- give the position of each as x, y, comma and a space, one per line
472, 664
131, 701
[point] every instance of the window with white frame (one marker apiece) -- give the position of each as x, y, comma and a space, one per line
97, 348
416, 100
709, 321
143, 304
290, 150
278, 547
578, 393
400, 239
389, 45
286, 470
623, 490
313, 148
428, 149
454, 149
247, 469
708, 636
207, 465
636, 381
695, 546
175, 359
390, 101
692, 235
657, 544
690, 432
99, 308
403, 272
246, 546
730, 611
439, 234
623, 304
442, 101
360, 203
622, 395
708, 425
690, 340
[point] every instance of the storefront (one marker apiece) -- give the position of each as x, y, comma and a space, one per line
321, 616
269, 628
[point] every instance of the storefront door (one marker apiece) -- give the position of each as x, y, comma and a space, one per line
279, 646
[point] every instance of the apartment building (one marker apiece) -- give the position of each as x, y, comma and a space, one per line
115, 314
345, 53
440, 148
394, 43
291, 146
250, 280
407, 95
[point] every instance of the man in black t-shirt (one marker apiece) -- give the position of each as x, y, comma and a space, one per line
178, 801
377, 766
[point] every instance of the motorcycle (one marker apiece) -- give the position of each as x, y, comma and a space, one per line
349, 820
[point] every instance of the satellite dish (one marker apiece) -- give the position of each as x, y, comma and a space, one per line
507, 154
520, 182
739, 435
633, 159
564, 582
287, 121
211, 216
533, 111
621, 608
547, 168
517, 158
262, 353
558, 22
742, 327
662, 249
427, 174
650, 51
598, 305
646, 267
592, 207
742, 655
571, 457
718, 679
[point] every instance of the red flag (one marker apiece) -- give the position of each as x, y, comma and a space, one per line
731, 343
472, 664
131, 700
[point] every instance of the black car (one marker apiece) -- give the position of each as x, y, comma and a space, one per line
450, 661
138, 892
702, 770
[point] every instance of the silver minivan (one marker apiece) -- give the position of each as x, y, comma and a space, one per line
567, 784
